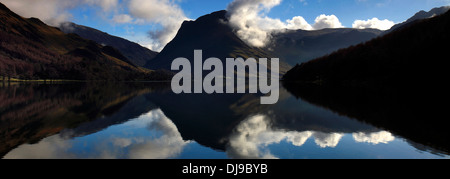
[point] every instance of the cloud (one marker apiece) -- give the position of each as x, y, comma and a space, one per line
51, 12
54, 12
374, 138
373, 23
106, 5
122, 19
327, 21
298, 22
165, 13
248, 18
48, 148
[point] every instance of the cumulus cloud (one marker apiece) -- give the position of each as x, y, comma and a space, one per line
51, 12
298, 22
327, 21
374, 138
165, 13
249, 19
48, 148
373, 23
54, 12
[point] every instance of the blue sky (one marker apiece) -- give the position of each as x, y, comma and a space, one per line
133, 19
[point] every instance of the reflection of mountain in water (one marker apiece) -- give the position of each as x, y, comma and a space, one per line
30, 112
237, 124
162, 141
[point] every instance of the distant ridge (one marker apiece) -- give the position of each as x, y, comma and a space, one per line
419, 16
299, 46
137, 54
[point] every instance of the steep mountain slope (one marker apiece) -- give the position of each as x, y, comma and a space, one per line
412, 57
298, 46
30, 49
137, 54
211, 34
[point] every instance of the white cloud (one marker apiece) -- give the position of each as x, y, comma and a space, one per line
106, 5
122, 19
374, 138
373, 23
327, 21
48, 148
298, 22
248, 18
51, 12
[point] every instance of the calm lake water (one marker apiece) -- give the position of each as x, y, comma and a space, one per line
148, 121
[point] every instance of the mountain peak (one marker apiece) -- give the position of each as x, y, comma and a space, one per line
215, 15
3, 7
433, 12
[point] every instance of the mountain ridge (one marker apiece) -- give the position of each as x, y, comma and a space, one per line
298, 46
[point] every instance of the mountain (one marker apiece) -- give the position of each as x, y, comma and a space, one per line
214, 36
419, 16
298, 46
137, 54
32, 50
410, 58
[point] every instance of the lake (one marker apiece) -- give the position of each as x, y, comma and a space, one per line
149, 121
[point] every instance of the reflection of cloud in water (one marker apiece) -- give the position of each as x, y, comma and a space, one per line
374, 138
48, 148
168, 145
253, 135
164, 142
